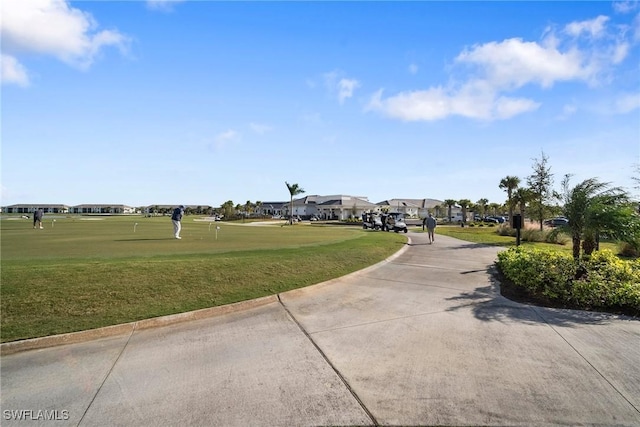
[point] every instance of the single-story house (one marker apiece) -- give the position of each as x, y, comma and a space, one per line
102, 209
272, 208
31, 208
331, 207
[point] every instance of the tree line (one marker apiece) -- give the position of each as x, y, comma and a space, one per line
593, 209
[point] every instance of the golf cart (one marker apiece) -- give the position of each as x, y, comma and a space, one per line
394, 221
371, 220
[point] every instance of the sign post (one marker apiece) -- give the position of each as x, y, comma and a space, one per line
517, 224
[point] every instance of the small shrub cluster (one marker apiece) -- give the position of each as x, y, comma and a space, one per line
600, 282
352, 220
630, 249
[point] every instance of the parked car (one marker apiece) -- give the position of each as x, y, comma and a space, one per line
559, 221
491, 220
500, 219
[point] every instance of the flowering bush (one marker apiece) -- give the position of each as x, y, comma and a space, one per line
602, 281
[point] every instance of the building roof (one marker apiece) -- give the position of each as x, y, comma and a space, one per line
41, 205
416, 203
339, 199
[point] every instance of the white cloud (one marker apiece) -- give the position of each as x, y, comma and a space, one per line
625, 6
312, 118
54, 28
13, 72
413, 69
567, 111
260, 128
636, 28
506, 107
514, 63
619, 52
594, 27
585, 51
439, 103
342, 86
226, 137
162, 5
346, 88
627, 103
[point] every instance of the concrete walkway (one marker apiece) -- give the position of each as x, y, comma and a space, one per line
421, 339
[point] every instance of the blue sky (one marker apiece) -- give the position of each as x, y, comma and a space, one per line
200, 102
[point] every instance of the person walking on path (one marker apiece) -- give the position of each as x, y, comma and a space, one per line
430, 222
176, 218
37, 218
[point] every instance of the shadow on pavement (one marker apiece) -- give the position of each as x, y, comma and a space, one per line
489, 305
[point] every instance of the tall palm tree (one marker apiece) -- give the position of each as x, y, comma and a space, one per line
521, 196
464, 204
494, 208
482, 206
592, 207
449, 203
294, 190
509, 184
227, 209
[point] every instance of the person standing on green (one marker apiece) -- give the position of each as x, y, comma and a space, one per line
176, 218
37, 218
431, 227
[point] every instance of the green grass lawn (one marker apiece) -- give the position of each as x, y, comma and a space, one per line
87, 272
489, 236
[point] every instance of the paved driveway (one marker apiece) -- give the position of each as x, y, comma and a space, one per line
421, 339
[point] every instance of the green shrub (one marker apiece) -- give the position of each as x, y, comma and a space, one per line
505, 230
532, 235
630, 250
602, 281
557, 237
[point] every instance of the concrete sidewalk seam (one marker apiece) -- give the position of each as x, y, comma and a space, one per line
108, 374
535, 309
331, 365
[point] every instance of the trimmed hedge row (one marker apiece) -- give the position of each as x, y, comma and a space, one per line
600, 282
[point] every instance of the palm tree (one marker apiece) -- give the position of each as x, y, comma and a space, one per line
227, 209
482, 206
592, 207
464, 204
294, 190
522, 196
494, 208
449, 203
437, 210
509, 183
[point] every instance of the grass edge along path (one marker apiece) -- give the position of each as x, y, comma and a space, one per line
88, 294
